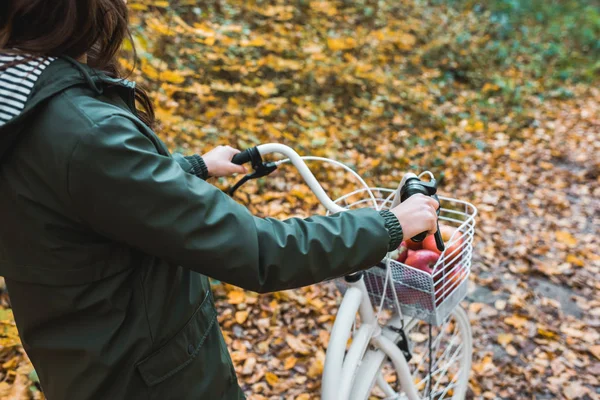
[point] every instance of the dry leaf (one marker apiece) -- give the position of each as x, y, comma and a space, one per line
249, 366
566, 238
595, 350
516, 321
272, 379
297, 345
505, 338
241, 317
290, 362
236, 297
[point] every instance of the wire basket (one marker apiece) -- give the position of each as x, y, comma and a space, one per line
429, 296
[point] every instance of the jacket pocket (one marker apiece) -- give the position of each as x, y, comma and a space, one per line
181, 349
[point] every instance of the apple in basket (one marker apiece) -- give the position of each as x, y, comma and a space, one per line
446, 285
400, 253
422, 259
413, 245
452, 251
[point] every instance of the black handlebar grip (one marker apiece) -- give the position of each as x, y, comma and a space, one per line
242, 157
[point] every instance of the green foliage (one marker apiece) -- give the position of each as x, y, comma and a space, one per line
559, 40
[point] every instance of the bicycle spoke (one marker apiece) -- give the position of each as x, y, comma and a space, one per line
436, 345
446, 369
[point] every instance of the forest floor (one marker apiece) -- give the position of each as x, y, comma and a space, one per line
385, 89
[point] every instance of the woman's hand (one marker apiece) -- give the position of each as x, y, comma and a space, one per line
417, 214
218, 162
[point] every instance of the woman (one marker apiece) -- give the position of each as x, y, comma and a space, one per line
107, 239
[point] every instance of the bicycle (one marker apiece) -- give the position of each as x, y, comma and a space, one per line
410, 301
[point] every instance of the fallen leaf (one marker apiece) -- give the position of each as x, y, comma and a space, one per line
505, 338
236, 297
272, 379
516, 321
297, 345
248, 367
595, 350
290, 362
575, 260
575, 390
241, 317
566, 238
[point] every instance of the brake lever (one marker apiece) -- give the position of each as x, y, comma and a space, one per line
260, 169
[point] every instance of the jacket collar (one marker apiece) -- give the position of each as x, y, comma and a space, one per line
61, 74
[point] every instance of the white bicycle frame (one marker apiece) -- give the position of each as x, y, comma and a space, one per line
340, 373
371, 343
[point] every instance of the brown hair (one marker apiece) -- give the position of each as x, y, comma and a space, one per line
71, 28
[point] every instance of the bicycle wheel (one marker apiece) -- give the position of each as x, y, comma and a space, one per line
451, 364
451, 350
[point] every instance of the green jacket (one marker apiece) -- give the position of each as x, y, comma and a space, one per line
107, 241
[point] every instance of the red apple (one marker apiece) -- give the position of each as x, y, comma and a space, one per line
422, 259
402, 252
449, 282
452, 251
413, 245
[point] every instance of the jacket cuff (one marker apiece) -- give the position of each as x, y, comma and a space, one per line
394, 229
198, 166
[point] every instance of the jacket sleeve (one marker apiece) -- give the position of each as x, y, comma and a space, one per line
193, 164
123, 189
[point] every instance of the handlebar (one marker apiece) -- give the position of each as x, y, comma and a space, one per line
254, 154
245, 156
410, 185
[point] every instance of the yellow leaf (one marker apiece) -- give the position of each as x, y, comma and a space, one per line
156, 25
316, 366
476, 126
317, 303
149, 71
303, 396
483, 365
256, 42
171, 77
272, 379
236, 297
575, 260
267, 109
516, 321
267, 89
11, 364
241, 316
489, 87
505, 338
290, 362
336, 44
566, 238
162, 4
542, 331
138, 7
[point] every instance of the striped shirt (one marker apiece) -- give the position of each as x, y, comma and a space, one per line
16, 83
